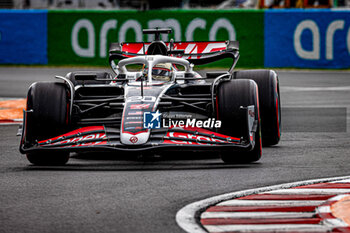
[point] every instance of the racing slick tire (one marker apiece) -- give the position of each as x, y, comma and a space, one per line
231, 95
52, 159
270, 105
72, 76
47, 117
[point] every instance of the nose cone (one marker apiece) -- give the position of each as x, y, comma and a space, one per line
132, 128
134, 139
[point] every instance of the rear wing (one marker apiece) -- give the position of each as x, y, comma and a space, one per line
197, 53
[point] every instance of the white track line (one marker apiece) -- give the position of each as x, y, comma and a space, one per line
248, 215
269, 203
187, 217
267, 228
309, 191
294, 89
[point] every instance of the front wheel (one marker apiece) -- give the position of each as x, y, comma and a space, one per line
48, 159
47, 117
270, 103
231, 95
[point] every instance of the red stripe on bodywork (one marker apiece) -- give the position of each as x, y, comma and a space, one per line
277, 109
261, 209
125, 131
134, 122
193, 135
76, 132
188, 47
278, 120
228, 221
326, 186
281, 231
286, 197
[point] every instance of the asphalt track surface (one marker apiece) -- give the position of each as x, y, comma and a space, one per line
109, 193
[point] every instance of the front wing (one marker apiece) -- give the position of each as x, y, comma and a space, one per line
101, 138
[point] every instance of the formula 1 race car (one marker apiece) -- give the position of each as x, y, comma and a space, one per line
155, 103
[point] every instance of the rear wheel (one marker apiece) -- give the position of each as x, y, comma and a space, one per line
270, 105
231, 95
48, 116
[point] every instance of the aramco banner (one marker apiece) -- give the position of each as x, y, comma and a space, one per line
82, 37
307, 39
23, 37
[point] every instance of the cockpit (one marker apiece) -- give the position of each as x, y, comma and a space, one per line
162, 72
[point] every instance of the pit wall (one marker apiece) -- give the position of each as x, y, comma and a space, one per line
268, 38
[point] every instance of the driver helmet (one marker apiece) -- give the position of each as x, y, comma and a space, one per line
162, 72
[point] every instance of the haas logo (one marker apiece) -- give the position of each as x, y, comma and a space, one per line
133, 139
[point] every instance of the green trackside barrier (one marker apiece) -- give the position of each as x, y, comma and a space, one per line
81, 37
